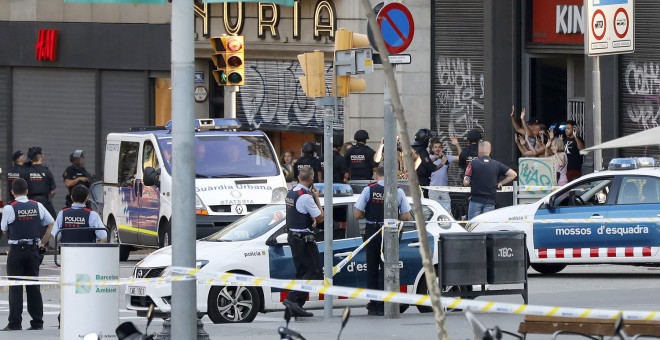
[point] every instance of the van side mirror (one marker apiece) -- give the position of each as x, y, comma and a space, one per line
151, 177
280, 240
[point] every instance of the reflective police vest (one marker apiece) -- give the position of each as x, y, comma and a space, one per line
295, 220
15, 172
375, 209
359, 166
27, 222
38, 185
74, 222
307, 162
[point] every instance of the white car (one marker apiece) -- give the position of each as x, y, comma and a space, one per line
604, 217
251, 246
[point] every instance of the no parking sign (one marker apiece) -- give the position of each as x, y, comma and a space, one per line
397, 25
611, 27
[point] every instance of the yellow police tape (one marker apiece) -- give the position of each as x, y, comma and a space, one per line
231, 279
524, 188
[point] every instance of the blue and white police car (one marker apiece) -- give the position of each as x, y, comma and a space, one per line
605, 217
257, 245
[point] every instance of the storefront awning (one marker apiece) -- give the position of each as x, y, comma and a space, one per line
643, 138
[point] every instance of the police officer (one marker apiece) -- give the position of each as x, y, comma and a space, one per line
73, 220
21, 224
41, 186
339, 165
76, 174
472, 151
303, 213
360, 158
16, 171
76, 217
309, 161
371, 206
421, 143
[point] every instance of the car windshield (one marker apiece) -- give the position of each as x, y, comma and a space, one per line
227, 156
251, 226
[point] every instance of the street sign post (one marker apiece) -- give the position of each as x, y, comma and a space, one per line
400, 59
611, 30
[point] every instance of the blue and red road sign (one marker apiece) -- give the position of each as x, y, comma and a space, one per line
397, 25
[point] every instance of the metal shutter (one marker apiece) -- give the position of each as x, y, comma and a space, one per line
4, 117
123, 103
639, 78
458, 71
55, 109
273, 100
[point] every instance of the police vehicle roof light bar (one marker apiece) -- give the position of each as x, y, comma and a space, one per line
338, 190
212, 124
631, 163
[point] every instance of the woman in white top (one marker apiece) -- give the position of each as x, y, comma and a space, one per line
558, 153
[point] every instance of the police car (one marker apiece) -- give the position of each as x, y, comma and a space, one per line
257, 245
604, 217
236, 173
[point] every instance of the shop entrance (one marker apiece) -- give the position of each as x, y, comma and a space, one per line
557, 89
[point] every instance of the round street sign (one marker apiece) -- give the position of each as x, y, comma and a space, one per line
397, 25
621, 23
598, 25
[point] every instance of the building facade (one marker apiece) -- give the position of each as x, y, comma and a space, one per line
76, 72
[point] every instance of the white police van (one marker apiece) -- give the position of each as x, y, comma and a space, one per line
237, 172
609, 216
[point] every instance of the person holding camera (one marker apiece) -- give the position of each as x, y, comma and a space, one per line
303, 212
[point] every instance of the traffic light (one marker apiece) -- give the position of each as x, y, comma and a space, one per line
313, 82
229, 59
346, 40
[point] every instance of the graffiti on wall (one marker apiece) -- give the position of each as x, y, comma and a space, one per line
458, 101
272, 96
642, 82
460, 98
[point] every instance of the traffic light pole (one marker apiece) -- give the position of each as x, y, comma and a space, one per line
230, 100
184, 306
390, 230
328, 103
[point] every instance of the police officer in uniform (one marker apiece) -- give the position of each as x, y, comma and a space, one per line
339, 165
21, 224
76, 174
421, 143
309, 161
73, 220
360, 158
77, 217
303, 213
371, 206
41, 186
16, 171
472, 151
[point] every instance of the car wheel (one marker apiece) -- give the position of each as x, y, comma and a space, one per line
544, 268
113, 237
233, 304
423, 289
164, 234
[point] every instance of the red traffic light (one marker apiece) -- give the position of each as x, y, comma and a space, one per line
234, 44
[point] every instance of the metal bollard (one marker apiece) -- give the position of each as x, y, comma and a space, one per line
166, 332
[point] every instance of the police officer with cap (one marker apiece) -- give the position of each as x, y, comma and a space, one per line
472, 151
303, 213
339, 166
16, 171
21, 223
371, 206
76, 174
41, 186
309, 161
360, 158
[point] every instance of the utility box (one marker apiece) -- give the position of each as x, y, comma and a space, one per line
462, 259
507, 258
